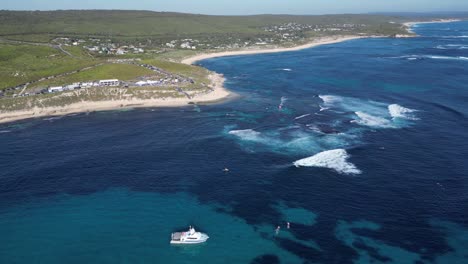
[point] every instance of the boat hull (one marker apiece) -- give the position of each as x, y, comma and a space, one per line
203, 238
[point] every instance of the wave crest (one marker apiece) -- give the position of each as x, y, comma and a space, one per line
246, 134
336, 159
398, 111
372, 121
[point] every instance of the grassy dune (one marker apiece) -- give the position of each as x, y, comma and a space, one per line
22, 63
124, 72
194, 72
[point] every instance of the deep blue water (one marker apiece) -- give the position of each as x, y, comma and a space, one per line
383, 120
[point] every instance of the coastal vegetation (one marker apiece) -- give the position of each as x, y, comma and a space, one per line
125, 72
20, 63
43, 49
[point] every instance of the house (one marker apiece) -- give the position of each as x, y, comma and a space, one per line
112, 82
121, 51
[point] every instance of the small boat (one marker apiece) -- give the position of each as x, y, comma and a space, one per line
189, 237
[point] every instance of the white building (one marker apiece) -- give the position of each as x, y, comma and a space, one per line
152, 82
86, 84
112, 82
141, 83
55, 89
121, 52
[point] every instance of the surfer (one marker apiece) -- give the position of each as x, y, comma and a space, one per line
277, 230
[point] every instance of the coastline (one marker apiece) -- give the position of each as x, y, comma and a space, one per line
218, 94
409, 25
314, 43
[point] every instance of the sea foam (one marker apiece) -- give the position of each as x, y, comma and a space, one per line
398, 111
246, 134
354, 104
302, 116
434, 57
336, 159
372, 121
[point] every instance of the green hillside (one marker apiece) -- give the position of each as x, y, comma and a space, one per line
159, 24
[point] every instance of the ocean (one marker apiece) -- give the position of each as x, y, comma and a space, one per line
361, 146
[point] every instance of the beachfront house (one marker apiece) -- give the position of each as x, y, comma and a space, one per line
112, 82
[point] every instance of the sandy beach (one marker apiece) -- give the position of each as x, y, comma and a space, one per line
411, 24
314, 43
218, 93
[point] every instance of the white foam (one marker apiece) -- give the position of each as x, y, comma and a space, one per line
330, 99
323, 108
447, 58
462, 36
435, 57
398, 111
302, 116
372, 121
452, 46
333, 159
354, 104
246, 134
287, 69
4, 131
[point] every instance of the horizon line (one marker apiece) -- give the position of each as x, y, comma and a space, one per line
248, 14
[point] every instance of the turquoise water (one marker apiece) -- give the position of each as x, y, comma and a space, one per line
376, 127
120, 226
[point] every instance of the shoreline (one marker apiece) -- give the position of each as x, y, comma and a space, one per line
409, 25
219, 93
315, 43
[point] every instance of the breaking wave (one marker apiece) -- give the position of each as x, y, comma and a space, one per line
435, 57
336, 159
398, 111
370, 113
372, 121
462, 36
452, 46
246, 134
293, 139
448, 58
353, 105
305, 134
302, 116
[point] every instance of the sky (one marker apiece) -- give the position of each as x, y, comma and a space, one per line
244, 7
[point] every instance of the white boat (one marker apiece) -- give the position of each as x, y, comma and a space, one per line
189, 237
